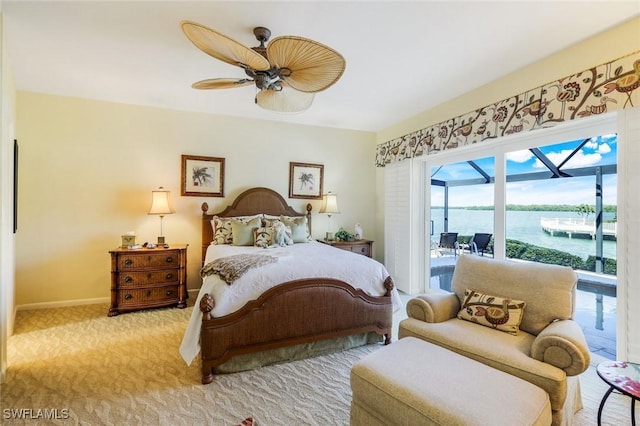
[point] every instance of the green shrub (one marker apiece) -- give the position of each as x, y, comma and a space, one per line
519, 250
610, 265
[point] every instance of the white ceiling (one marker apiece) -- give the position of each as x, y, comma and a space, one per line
402, 57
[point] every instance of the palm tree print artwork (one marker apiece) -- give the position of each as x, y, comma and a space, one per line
202, 176
305, 180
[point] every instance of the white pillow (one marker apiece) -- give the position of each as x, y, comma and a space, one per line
299, 228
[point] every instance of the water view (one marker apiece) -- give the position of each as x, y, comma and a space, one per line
523, 226
527, 176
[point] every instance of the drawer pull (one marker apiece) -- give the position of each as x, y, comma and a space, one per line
169, 276
169, 259
148, 293
128, 262
169, 292
128, 279
128, 296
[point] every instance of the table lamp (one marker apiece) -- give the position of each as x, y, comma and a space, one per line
161, 205
329, 206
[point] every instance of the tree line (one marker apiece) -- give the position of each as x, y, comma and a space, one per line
580, 209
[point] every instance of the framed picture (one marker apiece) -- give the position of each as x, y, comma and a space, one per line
15, 185
305, 180
202, 176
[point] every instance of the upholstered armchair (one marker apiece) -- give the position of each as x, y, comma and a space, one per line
513, 316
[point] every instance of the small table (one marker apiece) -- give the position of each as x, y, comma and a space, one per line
623, 377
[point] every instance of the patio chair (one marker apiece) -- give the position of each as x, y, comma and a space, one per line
448, 241
479, 243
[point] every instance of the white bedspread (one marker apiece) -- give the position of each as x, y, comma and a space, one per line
303, 260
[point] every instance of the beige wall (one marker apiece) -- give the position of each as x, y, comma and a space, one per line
87, 169
615, 43
7, 240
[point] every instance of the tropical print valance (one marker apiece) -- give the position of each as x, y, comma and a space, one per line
601, 89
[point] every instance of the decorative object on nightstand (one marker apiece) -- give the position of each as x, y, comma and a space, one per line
363, 247
329, 206
148, 278
343, 235
161, 205
358, 231
129, 239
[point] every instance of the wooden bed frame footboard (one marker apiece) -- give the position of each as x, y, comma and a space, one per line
291, 313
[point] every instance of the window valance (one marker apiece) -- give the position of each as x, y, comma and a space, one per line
603, 88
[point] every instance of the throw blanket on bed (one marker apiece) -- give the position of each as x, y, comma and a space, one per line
231, 268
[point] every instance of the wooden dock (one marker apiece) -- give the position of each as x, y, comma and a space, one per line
579, 228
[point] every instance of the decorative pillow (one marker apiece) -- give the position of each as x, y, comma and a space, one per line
267, 219
299, 228
242, 231
222, 232
263, 236
491, 311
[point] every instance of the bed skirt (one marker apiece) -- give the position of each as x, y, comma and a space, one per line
297, 352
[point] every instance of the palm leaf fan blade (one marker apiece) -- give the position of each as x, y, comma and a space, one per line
313, 66
285, 100
222, 47
222, 83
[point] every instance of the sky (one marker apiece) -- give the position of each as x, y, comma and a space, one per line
600, 150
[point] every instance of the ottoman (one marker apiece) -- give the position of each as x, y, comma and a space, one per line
413, 382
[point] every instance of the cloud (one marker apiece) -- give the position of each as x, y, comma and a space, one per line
580, 159
519, 156
591, 144
604, 148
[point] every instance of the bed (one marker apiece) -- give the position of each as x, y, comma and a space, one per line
289, 303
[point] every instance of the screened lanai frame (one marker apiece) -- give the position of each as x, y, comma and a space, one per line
415, 244
498, 149
486, 175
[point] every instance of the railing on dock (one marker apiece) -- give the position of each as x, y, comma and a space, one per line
570, 227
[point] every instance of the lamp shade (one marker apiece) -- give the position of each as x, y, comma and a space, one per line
329, 204
160, 202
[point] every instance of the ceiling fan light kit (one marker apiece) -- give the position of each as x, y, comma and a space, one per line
287, 72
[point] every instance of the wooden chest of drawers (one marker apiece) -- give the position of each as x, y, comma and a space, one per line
363, 247
148, 278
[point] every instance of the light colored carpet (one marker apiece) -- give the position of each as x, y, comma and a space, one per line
127, 370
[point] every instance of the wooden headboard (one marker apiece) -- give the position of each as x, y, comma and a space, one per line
250, 202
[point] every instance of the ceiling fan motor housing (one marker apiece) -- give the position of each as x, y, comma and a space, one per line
262, 81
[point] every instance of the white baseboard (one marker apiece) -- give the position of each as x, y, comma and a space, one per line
62, 303
76, 302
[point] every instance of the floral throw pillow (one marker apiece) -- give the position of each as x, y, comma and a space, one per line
222, 233
263, 236
496, 312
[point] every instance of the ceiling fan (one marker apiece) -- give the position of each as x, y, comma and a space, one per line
287, 72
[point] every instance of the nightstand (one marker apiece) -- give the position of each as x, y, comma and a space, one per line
363, 247
148, 278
